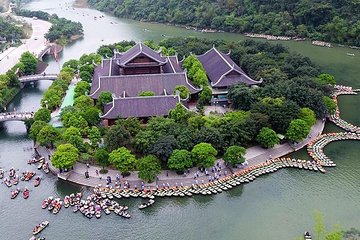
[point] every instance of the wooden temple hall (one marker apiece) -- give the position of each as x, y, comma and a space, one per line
142, 69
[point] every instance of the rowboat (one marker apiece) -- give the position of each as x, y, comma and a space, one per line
14, 193
147, 204
37, 181
26, 193
40, 227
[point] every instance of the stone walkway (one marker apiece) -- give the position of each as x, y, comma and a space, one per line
254, 155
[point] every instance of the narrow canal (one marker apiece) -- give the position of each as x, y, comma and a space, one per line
277, 206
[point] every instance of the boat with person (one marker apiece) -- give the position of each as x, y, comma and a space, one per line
39, 228
15, 193
1, 173
11, 172
26, 193
147, 204
45, 168
37, 181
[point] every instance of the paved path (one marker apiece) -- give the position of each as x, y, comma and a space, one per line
254, 156
36, 44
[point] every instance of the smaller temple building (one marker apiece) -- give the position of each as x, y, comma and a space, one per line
223, 73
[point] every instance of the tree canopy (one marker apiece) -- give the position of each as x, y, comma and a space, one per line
123, 160
149, 167
203, 155
234, 155
65, 156
267, 137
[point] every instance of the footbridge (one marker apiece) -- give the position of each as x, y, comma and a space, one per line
34, 78
15, 116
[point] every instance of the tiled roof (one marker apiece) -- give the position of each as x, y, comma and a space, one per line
132, 85
139, 49
101, 70
218, 65
141, 107
172, 65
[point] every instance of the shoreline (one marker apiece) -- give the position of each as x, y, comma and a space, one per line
255, 157
169, 183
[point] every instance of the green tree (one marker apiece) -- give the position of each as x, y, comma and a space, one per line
91, 115
47, 136
326, 78
65, 156
83, 102
131, 124
94, 136
205, 96
179, 113
329, 104
203, 155
43, 114
234, 155
267, 137
105, 97
149, 167
146, 94
298, 130
184, 91
85, 76
180, 160
72, 135
163, 147
35, 129
102, 157
116, 136
308, 116
72, 63
81, 88
241, 97
30, 63
123, 160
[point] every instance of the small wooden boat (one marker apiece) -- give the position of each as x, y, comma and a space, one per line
37, 181
147, 204
26, 193
45, 168
40, 227
15, 193
11, 172
46, 202
8, 183
67, 201
16, 180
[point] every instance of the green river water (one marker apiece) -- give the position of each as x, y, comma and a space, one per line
276, 206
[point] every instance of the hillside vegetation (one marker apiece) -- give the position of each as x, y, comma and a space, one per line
329, 20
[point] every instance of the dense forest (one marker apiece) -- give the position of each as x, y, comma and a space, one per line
329, 20
9, 31
62, 28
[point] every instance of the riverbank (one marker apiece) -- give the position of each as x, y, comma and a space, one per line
36, 44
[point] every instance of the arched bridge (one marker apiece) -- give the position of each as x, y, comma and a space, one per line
38, 77
15, 116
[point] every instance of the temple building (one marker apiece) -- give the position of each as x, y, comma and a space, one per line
223, 73
138, 70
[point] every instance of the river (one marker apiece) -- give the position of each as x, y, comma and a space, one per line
276, 206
